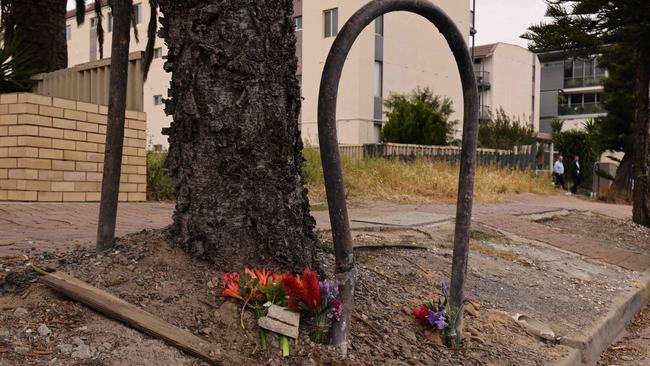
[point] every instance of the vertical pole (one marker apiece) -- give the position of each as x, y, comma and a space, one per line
115, 128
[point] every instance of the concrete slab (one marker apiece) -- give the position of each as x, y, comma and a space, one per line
409, 218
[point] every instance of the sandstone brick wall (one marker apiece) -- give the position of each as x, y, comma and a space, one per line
52, 150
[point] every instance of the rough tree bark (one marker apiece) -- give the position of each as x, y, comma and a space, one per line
41, 25
235, 147
115, 128
623, 174
641, 191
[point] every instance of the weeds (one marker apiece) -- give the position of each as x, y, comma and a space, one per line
419, 181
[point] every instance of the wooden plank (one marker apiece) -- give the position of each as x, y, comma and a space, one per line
135, 317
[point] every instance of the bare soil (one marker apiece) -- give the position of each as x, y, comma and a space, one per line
634, 347
506, 276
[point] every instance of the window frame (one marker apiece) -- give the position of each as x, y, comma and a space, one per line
109, 21
68, 32
93, 22
297, 22
158, 99
330, 22
137, 9
157, 52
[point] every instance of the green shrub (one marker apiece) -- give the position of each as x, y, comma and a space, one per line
503, 132
159, 184
419, 117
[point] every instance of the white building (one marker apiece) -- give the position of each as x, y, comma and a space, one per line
395, 55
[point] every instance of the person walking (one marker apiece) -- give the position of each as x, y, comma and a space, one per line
576, 171
558, 172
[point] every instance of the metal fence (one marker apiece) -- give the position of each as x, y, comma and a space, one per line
88, 82
520, 157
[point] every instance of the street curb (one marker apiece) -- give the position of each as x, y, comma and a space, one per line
589, 347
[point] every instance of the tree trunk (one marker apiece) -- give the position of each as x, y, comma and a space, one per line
40, 25
641, 192
623, 174
119, 75
235, 147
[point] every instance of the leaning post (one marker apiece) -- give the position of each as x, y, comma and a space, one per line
345, 267
115, 125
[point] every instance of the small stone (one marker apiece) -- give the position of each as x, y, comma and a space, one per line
627, 358
22, 350
364, 316
106, 346
83, 352
20, 312
408, 334
228, 313
78, 342
64, 348
43, 330
434, 337
206, 330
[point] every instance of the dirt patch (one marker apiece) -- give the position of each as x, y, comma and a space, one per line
634, 347
38, 326
623, 234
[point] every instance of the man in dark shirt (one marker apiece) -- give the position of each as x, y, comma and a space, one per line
576, 170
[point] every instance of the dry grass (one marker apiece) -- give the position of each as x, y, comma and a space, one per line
419, 181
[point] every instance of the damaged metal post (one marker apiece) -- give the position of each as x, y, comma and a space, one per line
346, 271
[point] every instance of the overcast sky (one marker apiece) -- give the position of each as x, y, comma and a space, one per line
497, 20
506, 20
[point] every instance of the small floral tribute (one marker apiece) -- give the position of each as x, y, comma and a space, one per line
439, 317
317, 300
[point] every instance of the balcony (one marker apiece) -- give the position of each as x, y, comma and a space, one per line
586, 108
482, 80
484, 113
581, 82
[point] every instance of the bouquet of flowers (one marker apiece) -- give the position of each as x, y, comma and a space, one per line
439, 316
256, 288
314, 298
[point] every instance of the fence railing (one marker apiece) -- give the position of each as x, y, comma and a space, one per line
88, 82
520, 157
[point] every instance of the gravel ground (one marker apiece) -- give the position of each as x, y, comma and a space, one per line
506, 276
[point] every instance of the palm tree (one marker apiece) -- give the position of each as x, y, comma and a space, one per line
43, 35
235, 146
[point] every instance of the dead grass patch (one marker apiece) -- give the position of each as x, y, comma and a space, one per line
418, 181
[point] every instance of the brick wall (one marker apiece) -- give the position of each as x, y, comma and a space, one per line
52, 150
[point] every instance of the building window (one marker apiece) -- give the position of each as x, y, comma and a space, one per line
581, 103
298, 22
137, 12
110, 22
93, 22
157, 52
157, 147
157, 99
582, 72
68, 32
331, 21
379, 26
379, 79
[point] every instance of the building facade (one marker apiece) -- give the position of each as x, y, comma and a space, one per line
394, 55
571, 89
508, 78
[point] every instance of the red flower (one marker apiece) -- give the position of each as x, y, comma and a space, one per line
421, 313
311, 297
293, 288
303, 290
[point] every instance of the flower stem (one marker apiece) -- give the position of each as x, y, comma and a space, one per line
284, 344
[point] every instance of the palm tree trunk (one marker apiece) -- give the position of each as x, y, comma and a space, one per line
235, 147
40, 24
641, 192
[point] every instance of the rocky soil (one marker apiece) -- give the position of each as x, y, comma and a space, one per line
39, 326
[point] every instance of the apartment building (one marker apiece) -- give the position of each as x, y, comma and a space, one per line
508, 77
571, 89
397, 53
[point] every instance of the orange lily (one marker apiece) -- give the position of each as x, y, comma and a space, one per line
262, 276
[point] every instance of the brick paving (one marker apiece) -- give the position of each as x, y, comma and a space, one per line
587, 247
28, 227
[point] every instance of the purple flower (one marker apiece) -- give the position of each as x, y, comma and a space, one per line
336, 310
436, 319
329, 291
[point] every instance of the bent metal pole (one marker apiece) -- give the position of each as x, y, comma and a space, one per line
346, 271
